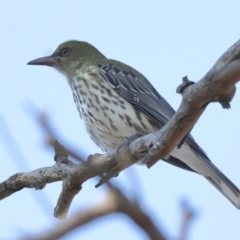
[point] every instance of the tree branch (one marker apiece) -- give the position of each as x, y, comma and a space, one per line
114, 201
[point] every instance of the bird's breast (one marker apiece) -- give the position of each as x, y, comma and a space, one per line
109, 119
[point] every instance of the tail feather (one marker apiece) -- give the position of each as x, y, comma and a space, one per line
205, 167
224, 185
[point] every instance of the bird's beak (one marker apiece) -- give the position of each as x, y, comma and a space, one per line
46, 61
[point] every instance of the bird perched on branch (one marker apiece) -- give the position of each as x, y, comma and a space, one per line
116, 102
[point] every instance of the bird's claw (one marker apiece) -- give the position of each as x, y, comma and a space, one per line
129, 140
113, 173
116, 169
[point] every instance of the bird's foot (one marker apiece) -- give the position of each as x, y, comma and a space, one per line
116, 169
113, 173
129, 140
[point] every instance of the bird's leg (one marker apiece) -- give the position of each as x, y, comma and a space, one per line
127, 143
129, 140
113, 173
115, 170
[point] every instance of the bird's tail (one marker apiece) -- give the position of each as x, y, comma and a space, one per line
205, 167
223, 184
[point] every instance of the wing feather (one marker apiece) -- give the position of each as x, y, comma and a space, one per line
137, 90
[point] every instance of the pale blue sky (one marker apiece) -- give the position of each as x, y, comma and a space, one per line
164, 41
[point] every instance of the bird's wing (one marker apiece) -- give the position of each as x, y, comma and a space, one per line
138, 91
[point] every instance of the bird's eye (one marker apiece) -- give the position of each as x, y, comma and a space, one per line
64, 52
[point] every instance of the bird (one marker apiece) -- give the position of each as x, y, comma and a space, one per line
116, 102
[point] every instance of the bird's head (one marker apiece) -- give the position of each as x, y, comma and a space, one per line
69, 56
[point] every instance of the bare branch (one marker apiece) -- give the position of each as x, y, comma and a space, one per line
229, 56
20, 162
114, 201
